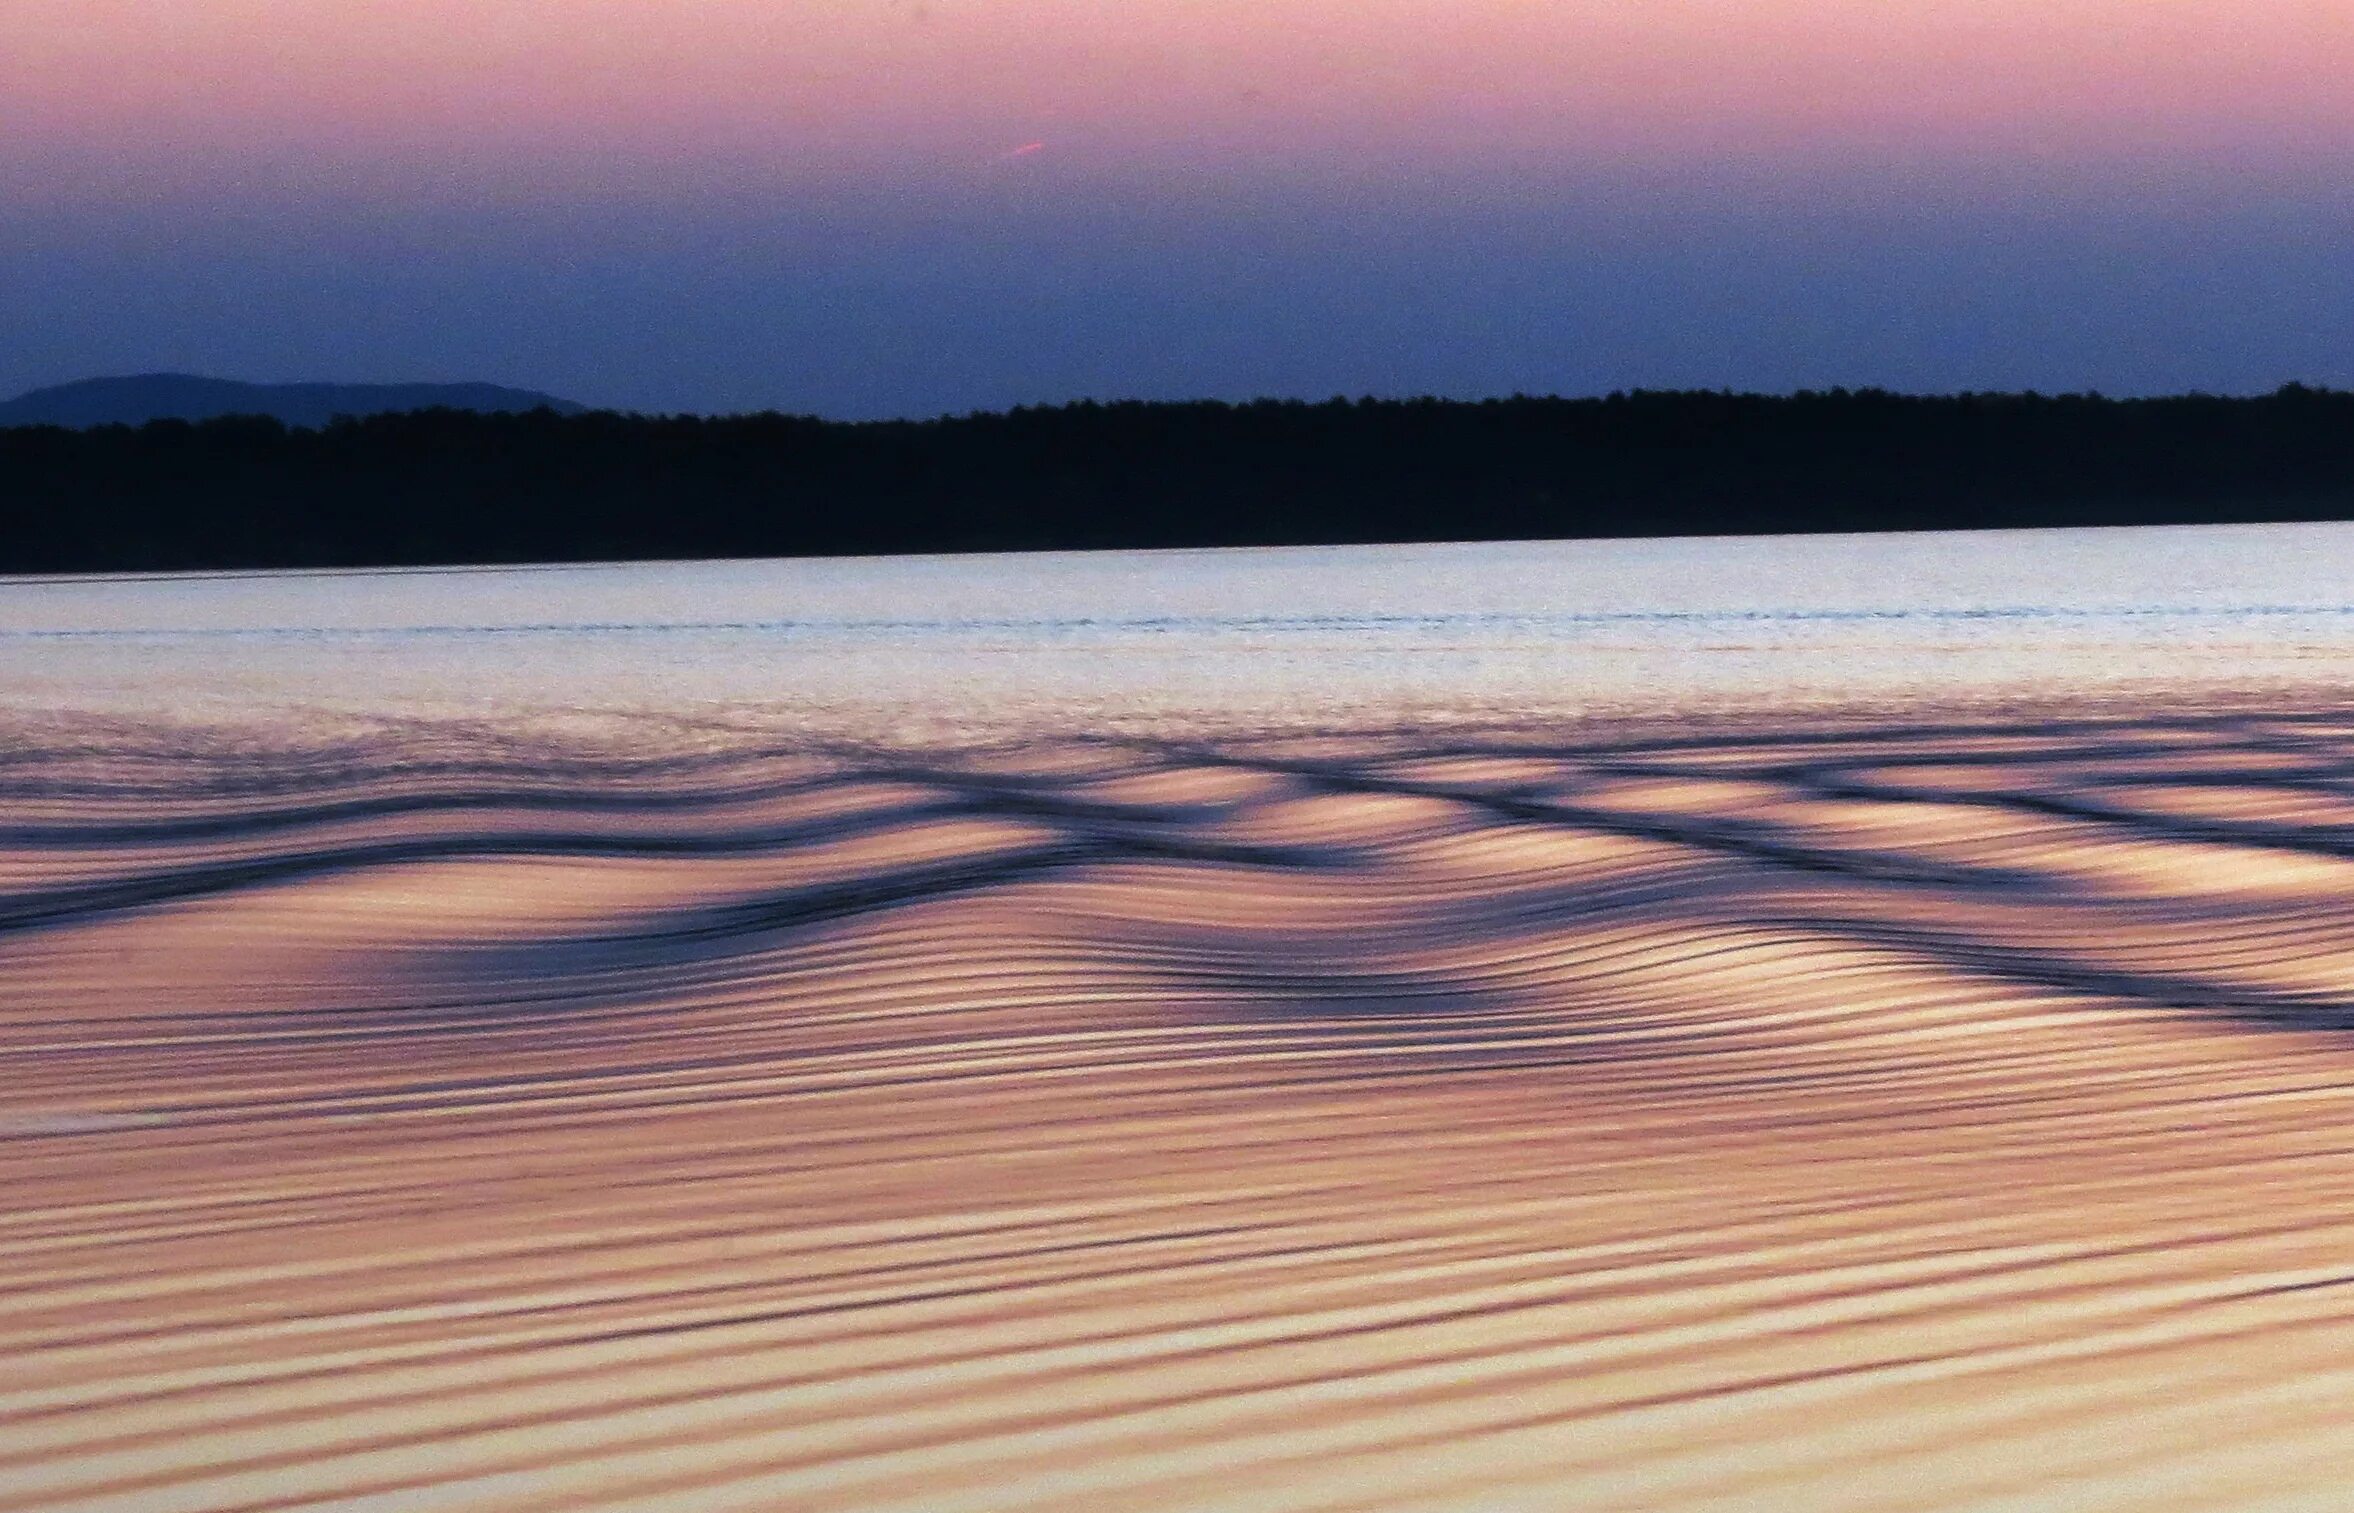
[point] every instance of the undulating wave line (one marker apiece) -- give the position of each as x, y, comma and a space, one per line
1840, 1114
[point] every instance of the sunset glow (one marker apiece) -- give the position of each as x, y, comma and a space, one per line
194, 87
1176, 756
972, 202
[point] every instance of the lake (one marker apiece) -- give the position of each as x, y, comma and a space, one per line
1294, 635
1840, 1024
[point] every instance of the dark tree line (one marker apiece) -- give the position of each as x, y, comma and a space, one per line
453, 487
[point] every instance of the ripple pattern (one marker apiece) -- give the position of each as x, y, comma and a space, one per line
1927, 1114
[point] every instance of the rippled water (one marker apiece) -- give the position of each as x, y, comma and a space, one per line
1852, 1025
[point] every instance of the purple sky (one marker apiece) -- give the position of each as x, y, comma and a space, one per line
881, 207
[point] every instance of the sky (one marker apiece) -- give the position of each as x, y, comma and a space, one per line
908, 207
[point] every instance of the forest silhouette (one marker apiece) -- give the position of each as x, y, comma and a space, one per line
453, 487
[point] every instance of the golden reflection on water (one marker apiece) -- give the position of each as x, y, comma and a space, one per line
1902, 1115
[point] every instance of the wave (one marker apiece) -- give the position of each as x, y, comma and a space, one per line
1925, 1113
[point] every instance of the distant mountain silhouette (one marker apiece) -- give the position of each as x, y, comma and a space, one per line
180, 396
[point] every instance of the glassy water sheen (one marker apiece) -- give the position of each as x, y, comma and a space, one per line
1847, 1024
1309, 633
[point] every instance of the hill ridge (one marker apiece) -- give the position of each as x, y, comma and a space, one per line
137, 398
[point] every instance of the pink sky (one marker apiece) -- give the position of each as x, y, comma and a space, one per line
905, 206
189, 90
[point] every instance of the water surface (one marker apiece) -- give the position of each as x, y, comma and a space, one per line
1843, 1025
1296, 634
